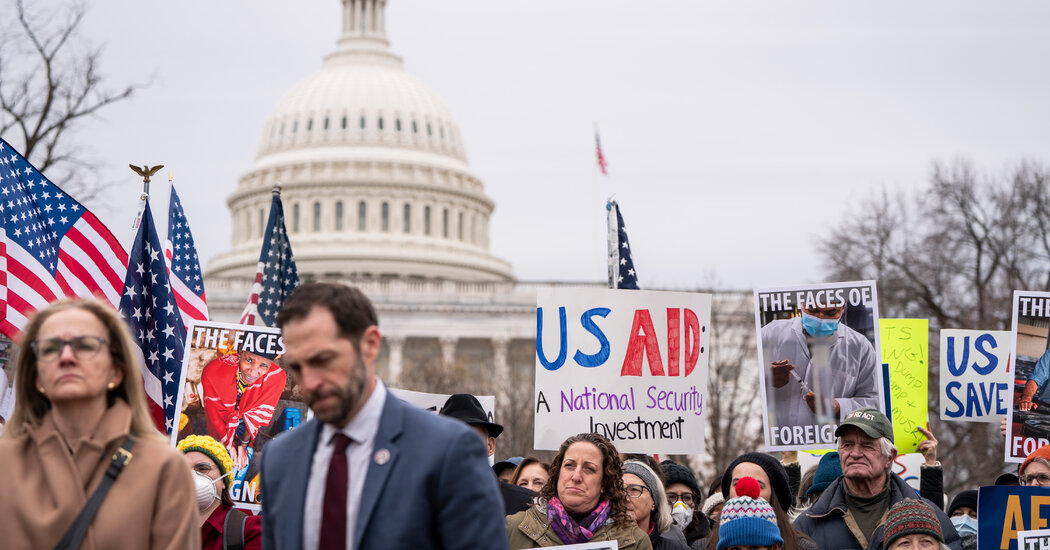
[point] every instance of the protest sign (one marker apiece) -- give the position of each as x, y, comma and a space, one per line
1038, 539
434, 401
975, 384
905, 350
629, 365
236, 391
1028, 417
818, 356
1004, 511
601, 545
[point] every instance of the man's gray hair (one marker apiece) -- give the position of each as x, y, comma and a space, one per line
886, 447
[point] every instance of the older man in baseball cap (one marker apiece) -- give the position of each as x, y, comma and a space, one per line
854, 506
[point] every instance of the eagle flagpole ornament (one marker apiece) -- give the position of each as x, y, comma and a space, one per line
145, 172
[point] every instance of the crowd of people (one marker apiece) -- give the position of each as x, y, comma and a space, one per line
85, 468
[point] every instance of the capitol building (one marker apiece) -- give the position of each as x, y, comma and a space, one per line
378, 193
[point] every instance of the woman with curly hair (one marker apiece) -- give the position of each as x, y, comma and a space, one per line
583, 501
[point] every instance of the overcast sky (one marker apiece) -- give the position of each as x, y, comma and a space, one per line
736, 132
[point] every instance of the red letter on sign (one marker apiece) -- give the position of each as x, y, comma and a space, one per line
692, 341
674, 321
646, 343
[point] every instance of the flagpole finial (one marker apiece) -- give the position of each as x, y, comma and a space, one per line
145, 171
277, 189
171, 176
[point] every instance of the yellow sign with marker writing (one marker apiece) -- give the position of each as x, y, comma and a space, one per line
905, 348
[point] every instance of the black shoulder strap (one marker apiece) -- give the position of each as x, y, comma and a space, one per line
75, 535
233, 539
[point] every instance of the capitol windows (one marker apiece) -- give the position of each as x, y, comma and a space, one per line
295, 218
444, 223
415, 127
282, 128
459, 226
344, 123
430, 130
317, 217
262, 224
362, 211
362, 122
380, 123
426, 220
384, 216
295, 126
397, 124
325, 123
309, 125
408, 218
441, 130
339, 215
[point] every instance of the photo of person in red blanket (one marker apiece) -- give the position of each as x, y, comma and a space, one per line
241, 391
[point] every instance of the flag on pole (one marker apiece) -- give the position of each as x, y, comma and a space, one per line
51, 246
621, 266
276, 275
183, 266
150, 309
602, 165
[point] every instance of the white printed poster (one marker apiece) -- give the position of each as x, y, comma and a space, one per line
630, 365
975, 382
819, 359
1028, 417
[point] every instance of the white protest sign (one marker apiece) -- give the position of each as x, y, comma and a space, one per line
629, 365
975, 383
1038, 539
434, 401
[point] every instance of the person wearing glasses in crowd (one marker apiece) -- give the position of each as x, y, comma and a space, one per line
1035, 470
80, 411
683, 495
583, 501
647, 502
223, 527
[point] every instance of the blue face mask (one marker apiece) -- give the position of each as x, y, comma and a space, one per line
819, 327
965, 525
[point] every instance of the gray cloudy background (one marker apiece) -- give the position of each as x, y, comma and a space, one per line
735, 132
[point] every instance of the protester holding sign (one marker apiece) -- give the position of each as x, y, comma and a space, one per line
81, 411
584, 501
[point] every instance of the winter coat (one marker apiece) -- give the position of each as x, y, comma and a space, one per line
671, 539
831, 524
151, 505
529, 529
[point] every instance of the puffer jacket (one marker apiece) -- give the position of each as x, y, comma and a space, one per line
530, 529
830, 523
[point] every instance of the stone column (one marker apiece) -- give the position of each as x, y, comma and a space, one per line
501, 369
397, 347
448, 349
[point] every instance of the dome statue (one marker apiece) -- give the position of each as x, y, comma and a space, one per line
375, 180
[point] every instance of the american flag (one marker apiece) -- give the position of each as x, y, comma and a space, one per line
276, 276
602, 165
621, 266
183, 265
149, 307
50, 246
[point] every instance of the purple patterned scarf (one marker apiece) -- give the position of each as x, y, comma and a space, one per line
567, 529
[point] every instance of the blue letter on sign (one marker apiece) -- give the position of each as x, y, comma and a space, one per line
599, 358
562, 351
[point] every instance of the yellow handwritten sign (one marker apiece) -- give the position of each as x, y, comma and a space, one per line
905, 348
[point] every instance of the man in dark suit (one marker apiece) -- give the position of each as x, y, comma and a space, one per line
369, 470
467, 408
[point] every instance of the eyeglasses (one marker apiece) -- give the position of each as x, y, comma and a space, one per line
203, 468
636, 491
84, 347
1031, 479
686, 498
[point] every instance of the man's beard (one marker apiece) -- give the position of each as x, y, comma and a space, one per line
348, 396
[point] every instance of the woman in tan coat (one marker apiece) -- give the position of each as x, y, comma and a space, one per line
79, 394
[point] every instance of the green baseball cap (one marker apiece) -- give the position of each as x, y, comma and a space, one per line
871, 421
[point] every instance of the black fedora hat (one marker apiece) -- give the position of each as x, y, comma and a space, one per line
467, 408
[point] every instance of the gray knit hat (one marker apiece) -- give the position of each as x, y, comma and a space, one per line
643, 473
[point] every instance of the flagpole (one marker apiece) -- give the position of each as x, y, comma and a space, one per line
595, 249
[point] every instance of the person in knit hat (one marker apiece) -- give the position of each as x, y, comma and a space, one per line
1035, 470
683, 495
963, 513
212, 468
748, 521
829, 469
647, 504
912, 523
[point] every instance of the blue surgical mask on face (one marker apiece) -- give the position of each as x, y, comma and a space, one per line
819, 327
965, 525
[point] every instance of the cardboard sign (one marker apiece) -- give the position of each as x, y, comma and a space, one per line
1028, 419
905, 349
629, 365
218, 357
1038, 539
818, 355
1003, 512
975, 385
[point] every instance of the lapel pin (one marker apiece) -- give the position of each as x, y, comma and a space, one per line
382, 456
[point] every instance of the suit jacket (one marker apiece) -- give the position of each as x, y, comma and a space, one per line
435, 491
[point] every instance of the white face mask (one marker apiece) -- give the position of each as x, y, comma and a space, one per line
965, 525
681, 514
205, 486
